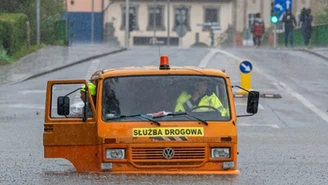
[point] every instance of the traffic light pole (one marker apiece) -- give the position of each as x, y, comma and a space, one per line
274, 19
127, 11
274, 36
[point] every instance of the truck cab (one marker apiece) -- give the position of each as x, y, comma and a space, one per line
146, 120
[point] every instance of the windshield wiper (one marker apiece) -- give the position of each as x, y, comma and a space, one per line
137, 116
183, 113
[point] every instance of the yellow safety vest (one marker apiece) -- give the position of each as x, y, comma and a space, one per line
183, 103
92, 88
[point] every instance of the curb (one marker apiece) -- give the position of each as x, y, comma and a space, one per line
313, 53
262, 95
65, 66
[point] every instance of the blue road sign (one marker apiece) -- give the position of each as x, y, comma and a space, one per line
245, 67
280, 6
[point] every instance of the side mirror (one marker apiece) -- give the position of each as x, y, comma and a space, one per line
253, 102
63, 105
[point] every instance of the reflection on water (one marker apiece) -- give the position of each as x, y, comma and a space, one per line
105, 178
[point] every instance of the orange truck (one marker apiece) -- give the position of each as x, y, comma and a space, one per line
135, 122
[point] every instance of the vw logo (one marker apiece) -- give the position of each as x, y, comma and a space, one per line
168, 153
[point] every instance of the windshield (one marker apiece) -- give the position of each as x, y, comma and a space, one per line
202, 96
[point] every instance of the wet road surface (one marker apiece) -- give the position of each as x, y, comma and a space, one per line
285, 143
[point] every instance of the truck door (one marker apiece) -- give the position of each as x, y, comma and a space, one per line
68, 132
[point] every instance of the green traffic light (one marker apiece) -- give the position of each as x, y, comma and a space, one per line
274, 19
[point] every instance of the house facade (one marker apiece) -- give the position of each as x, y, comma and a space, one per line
165, 20
174, 22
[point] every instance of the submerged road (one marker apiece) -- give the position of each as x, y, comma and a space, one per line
285, 143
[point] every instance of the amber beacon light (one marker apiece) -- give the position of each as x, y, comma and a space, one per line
164, 62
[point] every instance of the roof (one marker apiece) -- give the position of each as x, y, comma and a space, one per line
154, 70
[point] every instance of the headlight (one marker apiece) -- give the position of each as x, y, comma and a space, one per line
220, 152
115, 153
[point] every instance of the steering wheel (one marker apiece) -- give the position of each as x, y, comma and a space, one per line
204, 106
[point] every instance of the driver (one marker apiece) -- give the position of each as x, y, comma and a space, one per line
201, 99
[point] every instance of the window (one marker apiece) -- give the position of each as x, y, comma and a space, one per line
247, 35
131, 95
155, 18
211, 16
182, 16
76, 100
134, 11
251, 19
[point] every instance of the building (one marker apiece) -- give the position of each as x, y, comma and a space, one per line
231, 21
153, 19
81, 15
246, 10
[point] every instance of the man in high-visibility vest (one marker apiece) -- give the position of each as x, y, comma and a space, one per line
200, 100
92, 90
92, 86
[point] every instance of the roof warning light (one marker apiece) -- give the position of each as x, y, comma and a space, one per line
164, 62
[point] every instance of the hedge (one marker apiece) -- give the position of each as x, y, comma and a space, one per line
4, 58
319, 37
13, 32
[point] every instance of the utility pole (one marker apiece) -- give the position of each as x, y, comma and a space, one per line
92, 22
234, 20
38, 22
66, 31
168, 23
127, 10
154, 20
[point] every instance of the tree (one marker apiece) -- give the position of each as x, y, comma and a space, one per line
14, 6
321, 16
322, 2
50, 11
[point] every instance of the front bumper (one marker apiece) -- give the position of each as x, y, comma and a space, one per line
187, 159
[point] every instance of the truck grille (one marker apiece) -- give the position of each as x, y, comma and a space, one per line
153, 156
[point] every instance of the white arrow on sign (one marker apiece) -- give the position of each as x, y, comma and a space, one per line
247, 68
288, 4
279, 6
